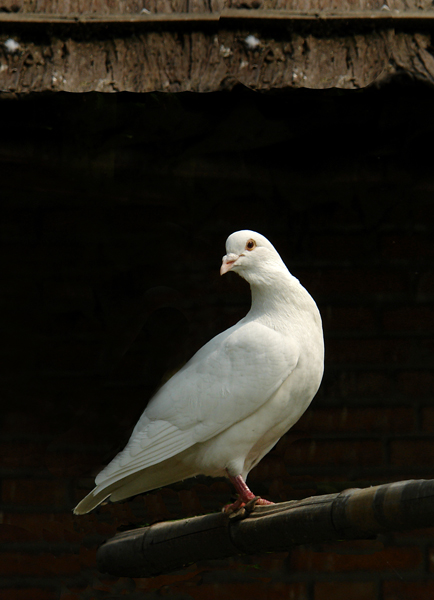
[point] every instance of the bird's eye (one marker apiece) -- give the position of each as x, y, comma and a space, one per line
250, 245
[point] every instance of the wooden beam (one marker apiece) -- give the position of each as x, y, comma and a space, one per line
352, 514
208, 52
415, 19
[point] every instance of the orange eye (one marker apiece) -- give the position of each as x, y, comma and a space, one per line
251, 244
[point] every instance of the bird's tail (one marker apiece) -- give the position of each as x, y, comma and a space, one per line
91, 501
159, 475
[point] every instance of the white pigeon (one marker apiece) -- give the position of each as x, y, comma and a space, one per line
230, 404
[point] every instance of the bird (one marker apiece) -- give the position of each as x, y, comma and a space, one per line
227, 407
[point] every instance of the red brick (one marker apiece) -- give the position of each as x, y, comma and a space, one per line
123, 588
428, 419
22, 454
14, 422
410, 318
67, 293
14, 533
29, 593
425, 349
401, 246
356, 281
273, 561
416, 383
55, 527
259, 589
334, 452
399, 558
32, 492
422, 535
73, 464
337, 318
270, 467
356, 590
70, 355
408, 590
332, 246
66, 224
412, 452
366, 419
188, 574
367, 351
431, 560
423, 211
347, 384
426, 283
75, 593
46, 564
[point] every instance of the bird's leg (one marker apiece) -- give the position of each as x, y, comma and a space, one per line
245, 495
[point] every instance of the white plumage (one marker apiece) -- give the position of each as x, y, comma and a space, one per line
229, 405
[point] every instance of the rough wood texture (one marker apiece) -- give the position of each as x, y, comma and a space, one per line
352, 514
65, 7
203, 45
146, 61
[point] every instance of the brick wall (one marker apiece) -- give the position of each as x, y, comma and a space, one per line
115, 210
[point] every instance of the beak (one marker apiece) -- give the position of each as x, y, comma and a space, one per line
228, 262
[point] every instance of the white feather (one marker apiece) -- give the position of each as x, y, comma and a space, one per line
226, 408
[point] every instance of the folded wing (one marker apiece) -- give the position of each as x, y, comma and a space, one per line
226, 381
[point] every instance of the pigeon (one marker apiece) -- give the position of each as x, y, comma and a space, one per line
234, 399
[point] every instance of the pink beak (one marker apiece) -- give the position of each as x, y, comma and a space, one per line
227, 263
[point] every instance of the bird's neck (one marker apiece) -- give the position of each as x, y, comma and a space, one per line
284, 298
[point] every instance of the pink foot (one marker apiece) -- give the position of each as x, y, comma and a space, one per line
263, 502
245, 496
231, 508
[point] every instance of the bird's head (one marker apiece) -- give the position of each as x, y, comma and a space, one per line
251, 255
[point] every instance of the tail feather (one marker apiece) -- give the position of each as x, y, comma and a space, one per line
154, 480
159, 475
91, 501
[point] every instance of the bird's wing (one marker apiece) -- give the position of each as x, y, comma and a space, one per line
226, 381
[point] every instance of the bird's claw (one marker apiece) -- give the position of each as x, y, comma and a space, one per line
233, 508
240, 510
237, 515
250, 505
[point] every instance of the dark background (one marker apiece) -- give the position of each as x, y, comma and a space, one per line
114, 214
